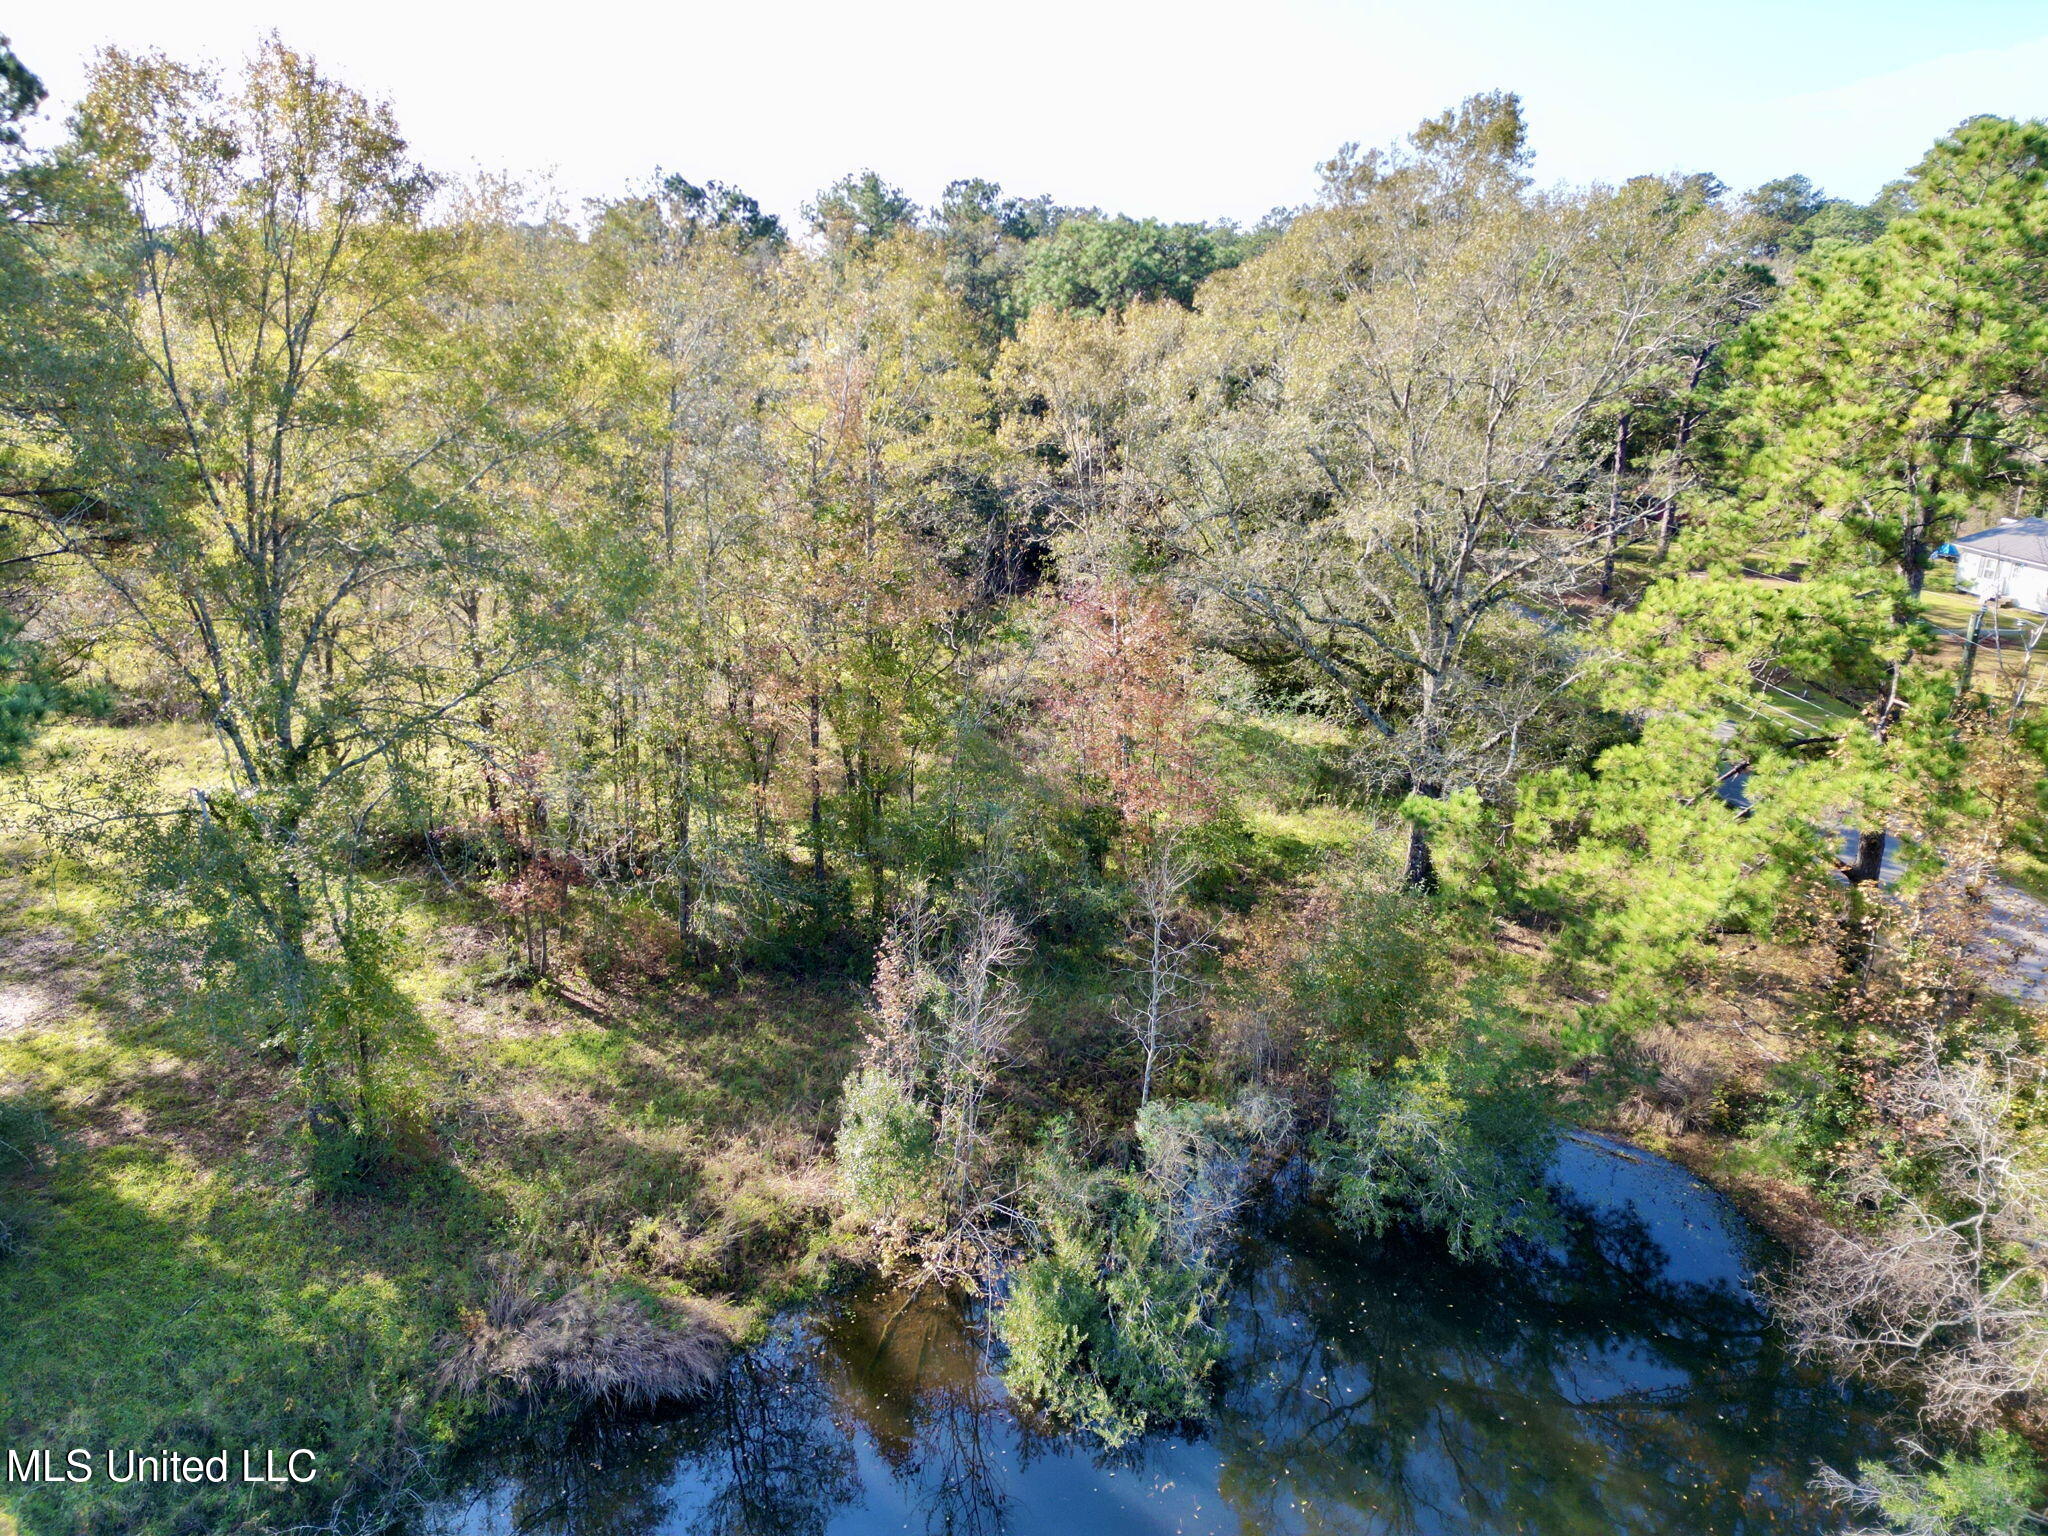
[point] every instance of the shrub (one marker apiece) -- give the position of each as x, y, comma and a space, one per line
1450, 1142
1228, 860
1163, 1339
1993, 1493
365, 1054
1047, 1322
888, 1159
1352, 970
1109, 1328
1377, 973
348, 1162
794, 924
1938, 1295
1112, 1339
622, 943
1199, 1163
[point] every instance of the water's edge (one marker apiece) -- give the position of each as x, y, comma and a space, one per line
1626, 1383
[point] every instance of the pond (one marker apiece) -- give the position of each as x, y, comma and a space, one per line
1625, 1383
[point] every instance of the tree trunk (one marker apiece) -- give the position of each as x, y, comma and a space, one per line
1420, 875
817, 789
1667, 519
1612, 541
686, 884
1859, 939
291, 924
1914, 558
1868, 864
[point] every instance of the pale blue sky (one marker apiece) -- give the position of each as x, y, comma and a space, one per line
1183, 110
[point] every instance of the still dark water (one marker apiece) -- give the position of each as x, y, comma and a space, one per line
1625, 1384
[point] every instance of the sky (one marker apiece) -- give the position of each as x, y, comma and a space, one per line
1183, 110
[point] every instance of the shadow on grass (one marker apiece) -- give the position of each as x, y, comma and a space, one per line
165, 1305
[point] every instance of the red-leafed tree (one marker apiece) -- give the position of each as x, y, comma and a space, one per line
1126, 707
1131, 722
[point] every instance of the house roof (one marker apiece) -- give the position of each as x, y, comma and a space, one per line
2023, 540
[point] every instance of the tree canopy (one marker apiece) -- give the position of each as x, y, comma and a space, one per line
1138, 705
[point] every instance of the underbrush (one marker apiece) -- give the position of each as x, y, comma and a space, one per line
650, 1133
192, 1275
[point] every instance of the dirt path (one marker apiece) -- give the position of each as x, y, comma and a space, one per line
37, 977
42, 967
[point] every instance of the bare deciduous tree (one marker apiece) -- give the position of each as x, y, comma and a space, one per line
1201, 1159
1951, 1294
981, 1009
1170, 940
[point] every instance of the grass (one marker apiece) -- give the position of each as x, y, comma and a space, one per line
2002, 663
179, 1285
1277, 760
1808, 709
1954, 610
2027, 870
542, 1333
162, 1302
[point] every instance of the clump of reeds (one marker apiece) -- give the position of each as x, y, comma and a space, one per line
541, 1334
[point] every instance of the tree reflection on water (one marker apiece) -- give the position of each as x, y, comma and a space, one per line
1623, 1382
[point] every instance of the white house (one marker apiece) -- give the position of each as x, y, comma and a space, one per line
2009, 561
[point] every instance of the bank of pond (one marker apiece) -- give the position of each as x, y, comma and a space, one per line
1624, 1381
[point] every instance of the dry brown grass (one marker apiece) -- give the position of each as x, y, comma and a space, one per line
761, 1201
543, 1335
1713, 1052
1719, 1040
